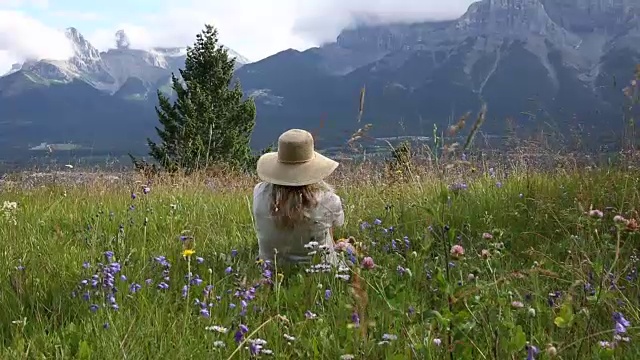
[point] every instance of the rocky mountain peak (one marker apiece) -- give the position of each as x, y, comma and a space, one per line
82, 47
122, 40
506, 17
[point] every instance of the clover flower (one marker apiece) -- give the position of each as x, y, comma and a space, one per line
368, 263
457, 250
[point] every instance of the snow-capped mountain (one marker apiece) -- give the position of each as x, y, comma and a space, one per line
537, 63
109, 70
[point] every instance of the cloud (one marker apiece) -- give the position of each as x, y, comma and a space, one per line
38, 4
22, 37
254, 28
322, 21
257, 28
74, 15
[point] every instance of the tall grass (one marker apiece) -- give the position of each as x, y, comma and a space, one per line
542, 272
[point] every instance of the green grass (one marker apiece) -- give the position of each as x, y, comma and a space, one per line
542, 243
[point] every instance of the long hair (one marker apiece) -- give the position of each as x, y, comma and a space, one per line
291, 205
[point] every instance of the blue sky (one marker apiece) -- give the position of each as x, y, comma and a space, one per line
253, 28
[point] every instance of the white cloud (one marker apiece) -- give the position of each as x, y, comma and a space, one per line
74, 15
257, 29
321, 21
253, 28
39, 4
22, 37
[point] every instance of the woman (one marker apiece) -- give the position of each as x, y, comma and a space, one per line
294, 209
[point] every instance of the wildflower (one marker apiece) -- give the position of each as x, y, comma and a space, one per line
188, 252
457, 250
532, 351
377, 222
355, 319
551, 350
605, 344
309, 315
389, 337
458, 187
134, 288
146, 190
239, 335
228, 270
368, 263
327, 294
311, 245
9, 205
219, 344
487, 236
621, 324
620, 219
133, 196
343, 246
401, 271
517, 304
595, 213
196, 280
108, 255
347, 357
485, 254
437, 342
163, 286
199, 260
205, 313
289, 337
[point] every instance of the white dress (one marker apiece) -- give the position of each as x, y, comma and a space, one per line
290, 243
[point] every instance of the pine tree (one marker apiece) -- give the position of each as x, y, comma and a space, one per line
209, 123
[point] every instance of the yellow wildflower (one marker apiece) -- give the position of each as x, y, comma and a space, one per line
188, 252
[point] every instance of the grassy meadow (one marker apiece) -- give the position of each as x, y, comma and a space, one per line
485, 265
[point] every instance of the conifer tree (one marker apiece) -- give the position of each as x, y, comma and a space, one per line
209, 122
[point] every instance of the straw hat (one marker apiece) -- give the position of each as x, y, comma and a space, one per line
296, 163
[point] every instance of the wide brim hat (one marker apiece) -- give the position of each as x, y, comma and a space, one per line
296, 163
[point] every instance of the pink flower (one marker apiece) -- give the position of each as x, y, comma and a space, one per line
457, 250
368, 263
487, 236
485, 254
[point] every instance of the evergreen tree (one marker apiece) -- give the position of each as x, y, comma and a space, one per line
209, 122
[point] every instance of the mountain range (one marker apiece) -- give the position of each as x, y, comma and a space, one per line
535, 62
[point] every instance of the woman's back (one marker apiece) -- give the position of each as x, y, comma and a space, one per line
289, 241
